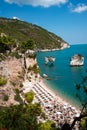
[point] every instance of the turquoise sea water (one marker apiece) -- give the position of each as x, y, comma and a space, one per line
63, 77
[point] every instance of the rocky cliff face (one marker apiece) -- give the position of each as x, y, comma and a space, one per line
64, 45
11, 69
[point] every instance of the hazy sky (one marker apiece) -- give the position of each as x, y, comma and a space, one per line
65, 18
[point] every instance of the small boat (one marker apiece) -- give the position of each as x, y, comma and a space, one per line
46, 77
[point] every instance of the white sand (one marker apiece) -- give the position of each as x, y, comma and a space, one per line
61, 100
28, 86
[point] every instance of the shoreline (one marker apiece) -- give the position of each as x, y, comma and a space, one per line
55, 107
61, 99
40, 81
56, 49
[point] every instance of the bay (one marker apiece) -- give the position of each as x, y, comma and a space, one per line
63, 77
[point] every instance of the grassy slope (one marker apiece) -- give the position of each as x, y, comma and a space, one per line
22, 31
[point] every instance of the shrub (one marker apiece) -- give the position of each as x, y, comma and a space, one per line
34, 68
15, 54
6, 97
17, 96
37, 70
29, 96
20, 76
2, 57
3, 81
21, 85
17, 91
13, 83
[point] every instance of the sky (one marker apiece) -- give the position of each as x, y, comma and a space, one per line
65, 18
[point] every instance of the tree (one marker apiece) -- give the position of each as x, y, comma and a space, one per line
48, 125
30, 44
24, 46
29, 96
6, 43
36, 69
11, 118
20, 117
32, 112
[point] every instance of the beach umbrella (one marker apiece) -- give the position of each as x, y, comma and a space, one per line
65, 107
73, 108
49, 105
59, 113
77, 115
66, 104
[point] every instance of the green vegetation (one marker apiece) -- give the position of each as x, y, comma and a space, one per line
13, 83
6, 43
83, 123
2, 57
29, 44
29, 96
3, 81
23, 117
6, 97
49, 125
21, 85
17, 96
34, 68
32, 55
20, 76
23, 31
15, 54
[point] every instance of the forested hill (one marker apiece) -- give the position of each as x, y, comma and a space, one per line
22, 31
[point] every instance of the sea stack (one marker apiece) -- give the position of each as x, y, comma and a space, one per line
49, 60
77, 60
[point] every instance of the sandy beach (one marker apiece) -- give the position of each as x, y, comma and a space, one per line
61, 99
55, 107
30, 86
53, 93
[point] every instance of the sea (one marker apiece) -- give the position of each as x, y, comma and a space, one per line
63, 77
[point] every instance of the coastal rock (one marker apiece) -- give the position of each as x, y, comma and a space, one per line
49, 59
77, 60
64, 45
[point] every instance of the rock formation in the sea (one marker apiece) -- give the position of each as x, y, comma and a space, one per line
77, 60
49, 60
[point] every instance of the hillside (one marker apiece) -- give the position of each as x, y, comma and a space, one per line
22, 31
